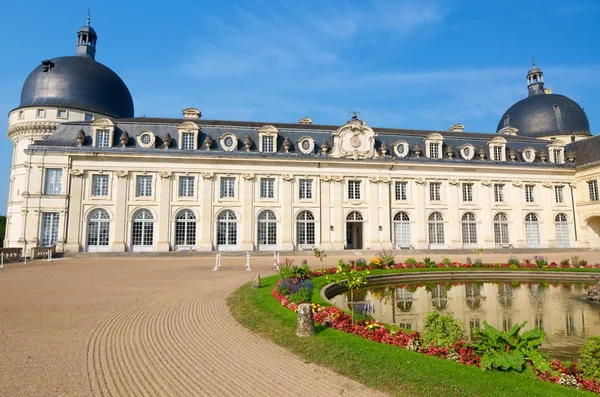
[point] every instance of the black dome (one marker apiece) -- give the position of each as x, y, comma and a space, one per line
546, 115
78, 82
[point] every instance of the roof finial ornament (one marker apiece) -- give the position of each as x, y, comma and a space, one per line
532, 61
89, 17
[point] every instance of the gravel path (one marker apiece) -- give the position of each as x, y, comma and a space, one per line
141, 327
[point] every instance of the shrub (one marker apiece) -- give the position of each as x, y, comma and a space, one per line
540, 261
575, 260
428, 262
411, 261
442, 330
513, 261
564, 262
301, 291
583, 262
590, 357
386, 258
509, 351
478, 263
527, 261
446, 262
286, 269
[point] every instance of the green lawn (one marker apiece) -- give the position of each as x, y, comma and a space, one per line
388, 368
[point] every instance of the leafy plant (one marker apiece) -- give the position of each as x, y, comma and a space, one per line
386, 258
590, 357
428, 262
442, 330
509, 351
320, 255
411, 261
583, 262
540, 261
575, 260
363, 311
564, 262
447, 262
478, 263
527, 261
286, 269
350, 278
513, 261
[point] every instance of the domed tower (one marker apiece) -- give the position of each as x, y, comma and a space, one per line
545, 115
64, 89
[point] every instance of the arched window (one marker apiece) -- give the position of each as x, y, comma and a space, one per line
473, 295
142, 236
354, 216
267, 230
185, 228
562, 231
501, 229
226, 230
439, 297
436, 229
402, 230
305, 229
404, 299
98, 230
532, 230
505, 295
469, 229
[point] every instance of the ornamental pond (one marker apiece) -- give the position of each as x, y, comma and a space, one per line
558, 308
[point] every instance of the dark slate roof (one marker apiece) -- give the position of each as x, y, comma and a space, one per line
80, 83
587, 151
64, 138
546, 115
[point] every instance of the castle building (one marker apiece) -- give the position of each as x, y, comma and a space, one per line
87, 175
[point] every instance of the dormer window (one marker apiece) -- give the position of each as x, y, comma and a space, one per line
103, 130
62, 114
306, 145
229, 142
497, 149
433, 146
467, 152
21, 114
40, 113
401, 148
267, 136
146, 139
88, 117
188, 135
556, 150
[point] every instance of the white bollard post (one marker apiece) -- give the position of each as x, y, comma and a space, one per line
216, 263
1, 260
49, 255
248, 261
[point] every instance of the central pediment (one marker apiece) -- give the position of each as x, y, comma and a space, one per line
354, 140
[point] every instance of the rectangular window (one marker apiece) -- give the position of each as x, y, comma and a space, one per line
21, 114
467, 192
88, 117
100, 185
354, 190
227, 187
102, 138
40, 113
49, 228
434, 191
499, 193
143, 186
529, 194
558, 194
556, 156
497, 153
61, 114
305, 189
53, 181
593, 186
267, 144
267, 188
434, 150
186, 186
400, 188
187, 141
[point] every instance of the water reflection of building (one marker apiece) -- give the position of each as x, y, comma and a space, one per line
555, 309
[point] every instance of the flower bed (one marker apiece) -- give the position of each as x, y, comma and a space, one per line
333, 317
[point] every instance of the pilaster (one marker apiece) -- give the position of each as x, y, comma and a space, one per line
76, 219
164, 216
120, 222
207, 221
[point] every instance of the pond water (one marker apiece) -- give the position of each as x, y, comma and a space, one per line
557, 308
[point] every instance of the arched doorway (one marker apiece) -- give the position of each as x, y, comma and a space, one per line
402, 230
98, 231
532, 231
594, 231
185, 230
305, 230
142, 231
267, 231
354, 230
227, 231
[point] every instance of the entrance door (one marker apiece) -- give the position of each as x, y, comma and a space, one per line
142, 236
267, 231
354, 231
98, 231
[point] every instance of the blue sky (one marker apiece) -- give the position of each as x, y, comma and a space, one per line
423, 64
